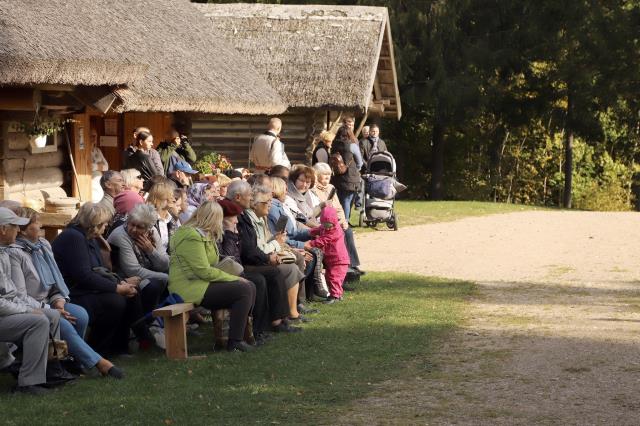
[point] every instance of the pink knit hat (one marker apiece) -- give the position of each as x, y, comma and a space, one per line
127, 200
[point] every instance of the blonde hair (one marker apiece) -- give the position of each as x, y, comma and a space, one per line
90, 217
161, 191
279, 187
208, 218
223, 180
326, 136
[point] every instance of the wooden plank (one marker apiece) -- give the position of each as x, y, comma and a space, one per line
81, 151
16, 99
55, 219
175, 333
173, 310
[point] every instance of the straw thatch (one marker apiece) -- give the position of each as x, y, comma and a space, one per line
64, 42
315, 56
163, 50
192, 68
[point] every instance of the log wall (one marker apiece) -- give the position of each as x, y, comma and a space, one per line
29, 177
232, 135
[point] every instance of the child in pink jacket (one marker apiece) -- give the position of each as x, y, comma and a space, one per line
329, 237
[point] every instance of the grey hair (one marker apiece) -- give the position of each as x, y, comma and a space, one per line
237, 187
106, 177
129, 176
322, 169
143, 214
261, 194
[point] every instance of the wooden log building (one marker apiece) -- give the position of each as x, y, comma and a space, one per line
321, 59
220, 71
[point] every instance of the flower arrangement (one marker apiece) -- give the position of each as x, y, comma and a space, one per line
43, 128
212, 163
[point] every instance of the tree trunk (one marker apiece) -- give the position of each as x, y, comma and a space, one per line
568, 168
437, 162
568, 157
495, 151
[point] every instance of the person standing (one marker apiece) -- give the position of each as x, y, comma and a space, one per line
322, 149
267, 149
372, 144
176, 148
146, 159
348, 183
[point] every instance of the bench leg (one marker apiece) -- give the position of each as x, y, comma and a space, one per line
175, 334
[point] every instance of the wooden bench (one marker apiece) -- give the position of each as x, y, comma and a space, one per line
175, 330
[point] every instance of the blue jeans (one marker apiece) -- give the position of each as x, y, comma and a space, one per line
346, 199
351, 248
74, 336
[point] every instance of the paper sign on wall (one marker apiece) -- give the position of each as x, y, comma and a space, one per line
109, 141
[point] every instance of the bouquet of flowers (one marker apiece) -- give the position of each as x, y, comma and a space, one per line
212, 163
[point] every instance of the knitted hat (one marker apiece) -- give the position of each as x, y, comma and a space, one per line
229, 208
127, 200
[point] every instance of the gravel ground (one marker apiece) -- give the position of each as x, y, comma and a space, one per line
551, 335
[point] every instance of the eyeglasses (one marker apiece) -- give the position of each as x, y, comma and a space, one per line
139, 177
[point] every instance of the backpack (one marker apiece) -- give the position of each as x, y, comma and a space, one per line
338, 165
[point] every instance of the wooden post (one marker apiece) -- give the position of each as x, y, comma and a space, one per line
362, 123
175, 334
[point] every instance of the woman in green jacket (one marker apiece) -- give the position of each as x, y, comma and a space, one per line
193, 275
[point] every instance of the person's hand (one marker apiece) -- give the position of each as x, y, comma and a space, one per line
58, 304
281, 237
134, 281
308, 257
345, 226
307, 246
66, 315
144, 243
127, 290
274, 260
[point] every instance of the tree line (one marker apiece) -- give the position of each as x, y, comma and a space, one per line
527, 101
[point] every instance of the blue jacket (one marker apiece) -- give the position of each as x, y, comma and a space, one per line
295, 237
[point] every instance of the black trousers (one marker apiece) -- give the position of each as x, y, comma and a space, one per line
151, 295
261, 306
351, 247
278, 303
236, 296
110, 318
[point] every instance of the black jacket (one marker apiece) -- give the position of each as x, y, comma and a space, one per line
365, 148
249, 251
350, 181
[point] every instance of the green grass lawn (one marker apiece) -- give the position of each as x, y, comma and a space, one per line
303, 378
422, 212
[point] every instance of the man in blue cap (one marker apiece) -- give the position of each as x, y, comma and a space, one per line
182, 173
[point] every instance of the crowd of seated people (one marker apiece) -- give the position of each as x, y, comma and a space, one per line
263, 247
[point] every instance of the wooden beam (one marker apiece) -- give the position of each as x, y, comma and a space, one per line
16, 99
377, 93
362, 123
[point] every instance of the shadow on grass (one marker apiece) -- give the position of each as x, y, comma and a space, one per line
301, 378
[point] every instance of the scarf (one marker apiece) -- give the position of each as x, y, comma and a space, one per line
196, 195
303, 201
45, 265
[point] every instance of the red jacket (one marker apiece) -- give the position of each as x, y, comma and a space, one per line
330, 241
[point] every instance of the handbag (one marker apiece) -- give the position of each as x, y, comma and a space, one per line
230, 266
286, 256
338, 165
58, 349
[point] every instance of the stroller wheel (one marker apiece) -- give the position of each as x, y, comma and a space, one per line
393, 223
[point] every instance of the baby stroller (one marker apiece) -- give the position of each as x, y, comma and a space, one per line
379, 191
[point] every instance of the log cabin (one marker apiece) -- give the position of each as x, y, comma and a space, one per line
109, 66
322, 60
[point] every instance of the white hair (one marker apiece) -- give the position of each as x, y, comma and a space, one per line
322, 169
143, 214
237, 187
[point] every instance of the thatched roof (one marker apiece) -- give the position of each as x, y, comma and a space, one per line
315, 56
192, 68
149, 45
64, 42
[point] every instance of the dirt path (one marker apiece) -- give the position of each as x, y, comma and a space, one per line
552, 335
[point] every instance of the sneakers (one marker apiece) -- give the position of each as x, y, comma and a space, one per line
241, 346
304, 310
358, 270
158, 336
115, 373
331, 300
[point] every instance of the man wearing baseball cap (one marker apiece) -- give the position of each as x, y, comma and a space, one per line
23, 320
182, 173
